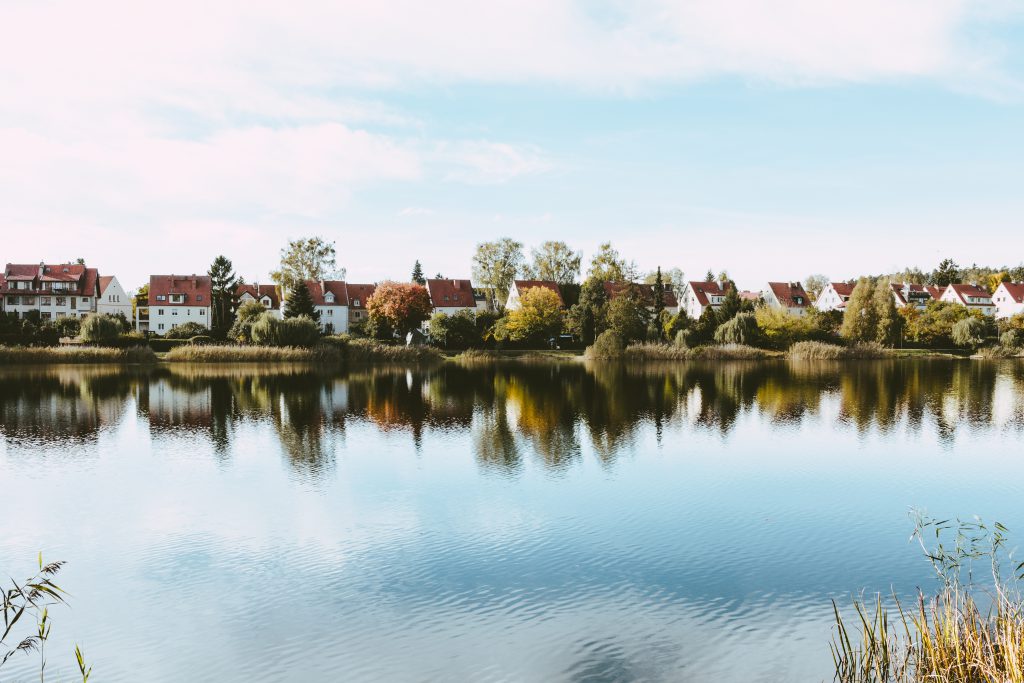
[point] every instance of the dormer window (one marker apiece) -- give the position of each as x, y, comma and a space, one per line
329, 298
355, 302
199, 297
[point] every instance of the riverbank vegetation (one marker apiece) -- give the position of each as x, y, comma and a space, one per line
970, 630
18, 355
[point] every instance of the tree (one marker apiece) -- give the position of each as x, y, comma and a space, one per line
99, 329
223, 281
933, 326
538, 318
740, 329
608, 266
659, 294
495, 266
628, 316
860, 322
403, 306
457, 331
186, 331
709, 276
300, 303
995, 279
556, 261
587, 318
310, 258
887, 319
417, 274
731, 304
300, 331
815, 285
245, 317
969, 332
946, 274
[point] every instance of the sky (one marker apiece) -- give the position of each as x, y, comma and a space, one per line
769, 138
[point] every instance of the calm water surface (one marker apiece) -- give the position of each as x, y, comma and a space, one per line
538, 523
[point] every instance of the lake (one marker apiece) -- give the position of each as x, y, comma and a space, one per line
495, 523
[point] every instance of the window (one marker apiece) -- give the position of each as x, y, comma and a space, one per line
355, 302
46, 315
12, 300
199, 297
85, 300
160, 326
61, 300
330, 311
174, 311
44, 301
161, 297
202, 311
28, 300
159, 311
446, 298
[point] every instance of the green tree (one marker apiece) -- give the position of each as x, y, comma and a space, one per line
608, 266
457, 331
495, 266
933, 327
245, 317
310, 258
628, 317
538, 318
300, 303
732, 304
588, 317
946, 274
223, 282
969, 332
300, 331
740, 329
659, 294
709, 276
860, 322
815, 285
100, 329
556, 261
417, 274
186, 331
887, 319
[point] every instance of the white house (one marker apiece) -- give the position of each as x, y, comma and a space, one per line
330, 299
918, 296
113, 299
265, 295
56, 291
789, 296
516, 289
698, 296
972, 296
451, 296
834, 296
1009, 299
175, 300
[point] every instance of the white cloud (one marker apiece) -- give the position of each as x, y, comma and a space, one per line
483, 162
415, 211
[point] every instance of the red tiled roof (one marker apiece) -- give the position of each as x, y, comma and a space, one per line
897, 288
747, 295
1015, 290
843, 288
702, 290
545, 284
257, 291
105, 281
964, 291
787, 292
86, 278
936, 292
318, 288
196, 288
360, 293
451, 293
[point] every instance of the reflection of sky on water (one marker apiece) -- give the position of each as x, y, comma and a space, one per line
569, 524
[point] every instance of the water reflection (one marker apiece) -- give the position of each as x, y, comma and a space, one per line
548, 411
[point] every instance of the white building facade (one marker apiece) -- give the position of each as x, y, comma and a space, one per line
66, 290
178, 299
1008, 299
113, 300
834, 297
972, 296
699, 296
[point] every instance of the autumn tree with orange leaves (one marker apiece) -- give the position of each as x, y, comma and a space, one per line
400, 306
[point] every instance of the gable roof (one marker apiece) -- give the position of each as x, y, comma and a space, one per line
86, 278
544, 284
451, 293
963, 291
1015, 290
787, 293
898, 287
843, 288
258, 291
318, 289
702, 290
360, 293
197, 289
105, 281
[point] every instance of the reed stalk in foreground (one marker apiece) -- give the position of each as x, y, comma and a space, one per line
966, 632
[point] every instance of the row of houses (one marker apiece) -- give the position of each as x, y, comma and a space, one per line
76, 290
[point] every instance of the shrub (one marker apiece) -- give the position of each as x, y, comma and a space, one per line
247, 314
608, 344
456, 331
812, 350
100, 329
186, 331
969, 332
1012, 338
299, 332
68, 326
741, 329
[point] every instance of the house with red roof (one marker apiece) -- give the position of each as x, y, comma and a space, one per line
972, 296
113, 300
908, 294
699, 296
358, 295
330, 299
834, 296
265, 295
1009, 299
516, 289
175, 300
55, 290
789, 296
452, 296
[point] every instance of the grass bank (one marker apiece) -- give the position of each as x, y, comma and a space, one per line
253, 354
668, 352
22, 355
812, 350
486, 356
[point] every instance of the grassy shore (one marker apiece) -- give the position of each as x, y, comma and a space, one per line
332, 351
812, 350
669, 352
486, 356
20, 355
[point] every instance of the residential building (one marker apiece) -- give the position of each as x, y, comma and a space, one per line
918, 296
330, 299
515, 291
265, 295
55, 291
175, 300
113, 300
834, 296
972, 296
358, 295
1009, 299
789, 296
699, 296
646, 293
451, 296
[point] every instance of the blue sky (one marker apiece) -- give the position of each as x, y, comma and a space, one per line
771, 139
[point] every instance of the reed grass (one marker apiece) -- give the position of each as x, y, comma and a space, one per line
366, 351
649, 351
814, 350
488, 356
253, 354
948, 637
24, 355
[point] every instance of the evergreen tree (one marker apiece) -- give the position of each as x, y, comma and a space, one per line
947, 273
887, 318
860, 322
659, 295
588, 318
222, 283
300, 302
731, 304
417, 274
709, 276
